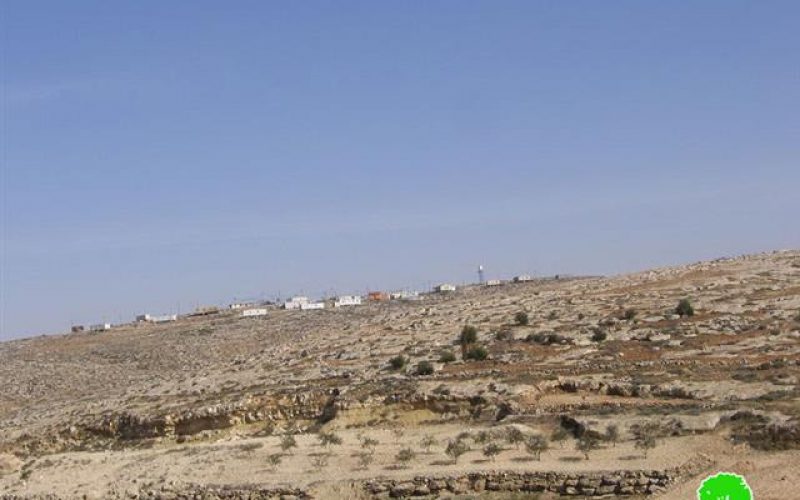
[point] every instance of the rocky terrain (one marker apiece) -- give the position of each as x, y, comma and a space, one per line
629, 397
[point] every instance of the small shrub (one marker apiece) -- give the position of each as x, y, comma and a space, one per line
327, 439
482, 437
477, 353
560, 435
645, 436
684, 308
629, 315
515, 436
469, 335
553, 315
586, 444
428, 442
365, 459
535, 445
521, 318
369, 443
288, 442
424, 368
397, 362
491, 451
447, 357
599, 335
249, 448
455, 449
398, 432
405, 455
274, 460
504, 335
612, 434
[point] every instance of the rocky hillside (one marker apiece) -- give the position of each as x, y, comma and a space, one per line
574, 353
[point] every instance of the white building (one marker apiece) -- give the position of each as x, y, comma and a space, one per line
237, 305
249, 313
100, 327
347, 300
295, 303
164, 319
312, 305
522, 278
146, 318
493, 283
404, 295
445, 287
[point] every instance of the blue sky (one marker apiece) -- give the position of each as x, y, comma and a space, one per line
160, 155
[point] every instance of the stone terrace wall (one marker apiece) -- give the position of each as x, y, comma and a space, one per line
585, 484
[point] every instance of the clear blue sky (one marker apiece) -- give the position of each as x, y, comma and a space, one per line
159, 155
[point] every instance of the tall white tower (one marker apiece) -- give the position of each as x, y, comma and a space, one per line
480, 275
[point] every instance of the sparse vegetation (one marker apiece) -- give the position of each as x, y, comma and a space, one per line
491, 451
646, 436
398, 362
447, 357
274, 460
288, 442
521, 318
684, 308
469, 335
404, 456
399, 432
535, 445
428, 442
482, 437
369, 443
586, 444
629, 315
476, 353
424, 368
560, 435
599, 335
612, 434
514, 436
455, 449
365, 459
328, 439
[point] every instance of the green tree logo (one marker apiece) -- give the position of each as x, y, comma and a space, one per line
724, 486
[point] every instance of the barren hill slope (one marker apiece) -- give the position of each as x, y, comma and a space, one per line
596, 352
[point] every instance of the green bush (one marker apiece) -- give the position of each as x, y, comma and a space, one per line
684, 308
329, 438
477, 353
491, 450
599, 335
535, 445
469, 335
424, 368
447, 357
455, 449
405, 455
521, 318
397, 362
